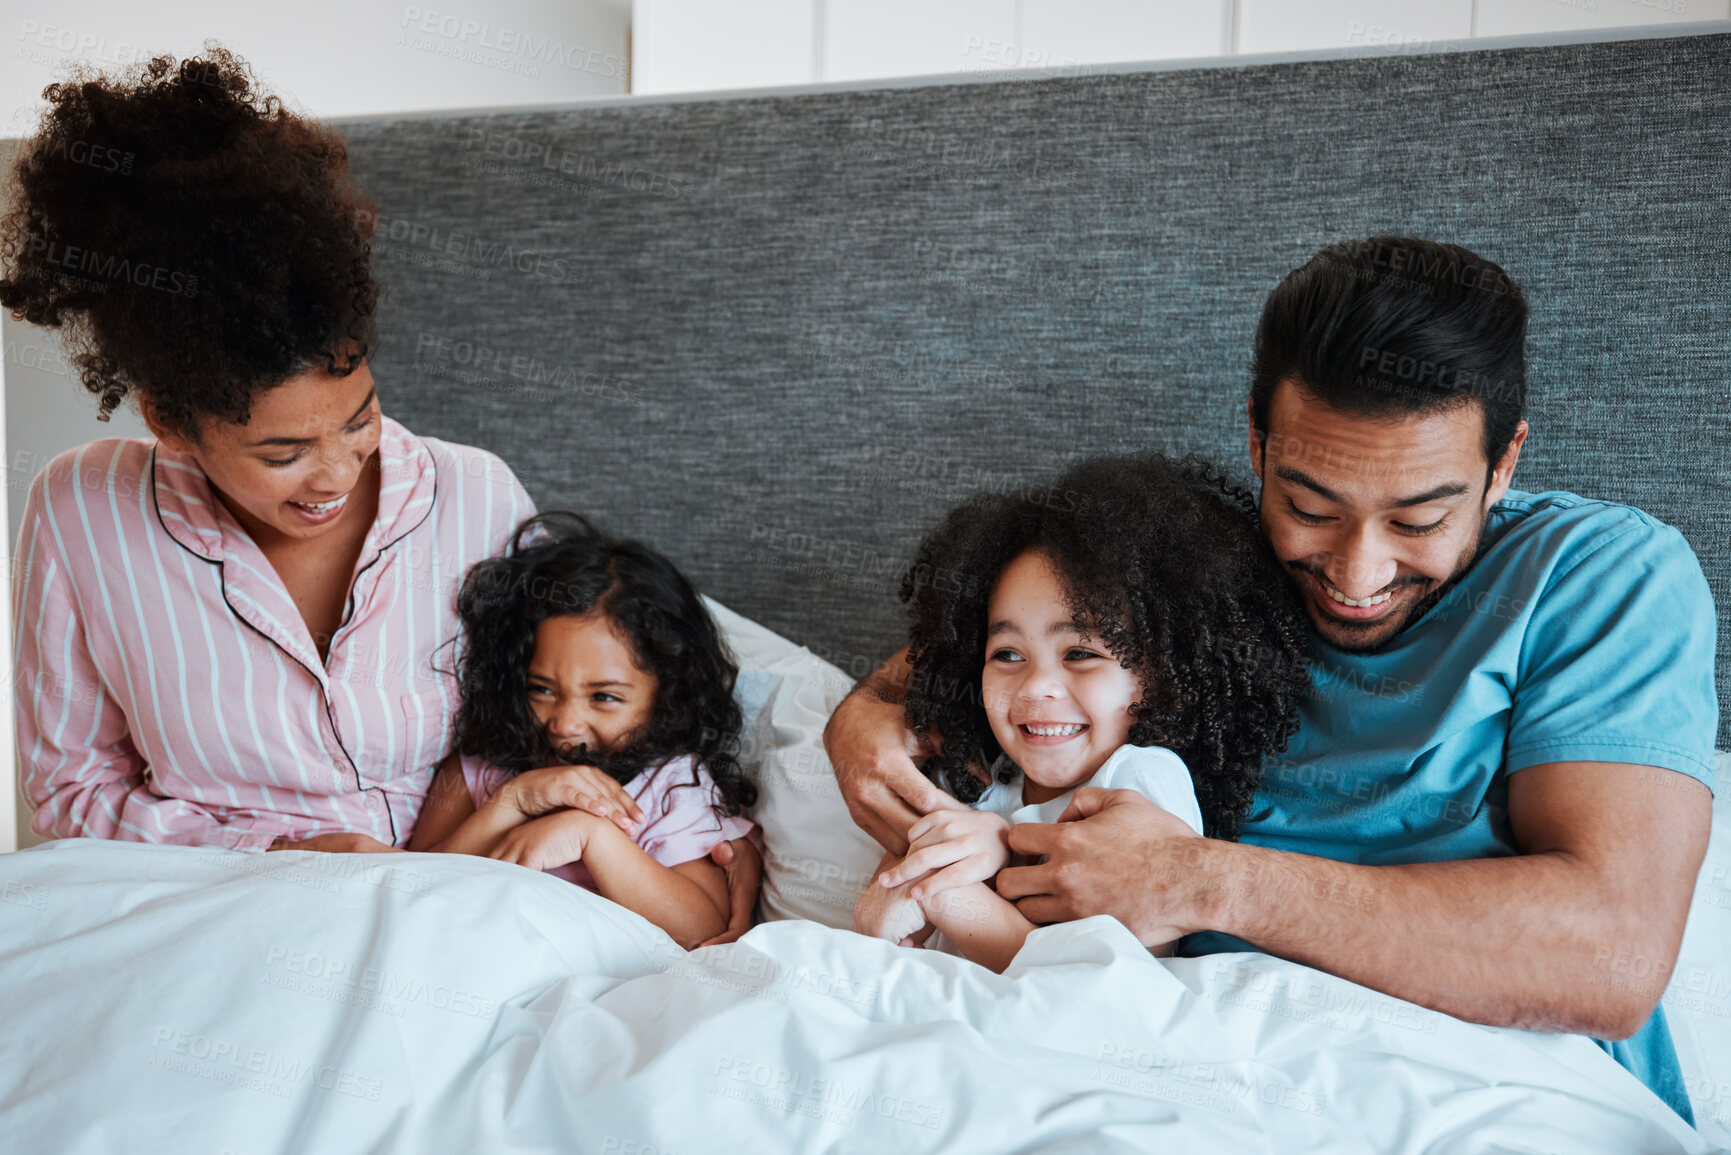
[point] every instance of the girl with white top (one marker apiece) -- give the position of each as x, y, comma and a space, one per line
1121, 631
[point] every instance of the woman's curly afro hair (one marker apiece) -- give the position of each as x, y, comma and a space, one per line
1164, 565
558, 563
197, 241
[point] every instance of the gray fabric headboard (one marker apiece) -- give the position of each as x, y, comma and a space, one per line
776, 337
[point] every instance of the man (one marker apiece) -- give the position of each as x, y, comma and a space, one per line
1498, 800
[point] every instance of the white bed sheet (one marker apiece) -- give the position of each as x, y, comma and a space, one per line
171, 999
1697, 998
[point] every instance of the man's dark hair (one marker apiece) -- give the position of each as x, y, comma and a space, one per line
1395, 325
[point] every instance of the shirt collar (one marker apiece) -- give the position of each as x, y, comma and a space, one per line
194, 516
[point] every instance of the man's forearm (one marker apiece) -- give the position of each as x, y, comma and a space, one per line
872, 752
1526, 941
889, 682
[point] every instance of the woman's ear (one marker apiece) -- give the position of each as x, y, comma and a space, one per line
168, 436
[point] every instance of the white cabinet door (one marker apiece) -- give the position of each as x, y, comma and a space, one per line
1507, 17
1070, 33
700, 45
875, 39
1392, 25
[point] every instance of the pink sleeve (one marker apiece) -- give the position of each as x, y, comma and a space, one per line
482, 778
681, 821
80, 770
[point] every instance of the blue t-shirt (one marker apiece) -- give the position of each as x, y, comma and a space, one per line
1584, 631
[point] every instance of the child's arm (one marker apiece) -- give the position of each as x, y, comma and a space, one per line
888, 914
986, 928
950, 857
687, 901
447, 807
450, 823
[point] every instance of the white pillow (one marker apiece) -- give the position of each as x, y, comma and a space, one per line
816, 860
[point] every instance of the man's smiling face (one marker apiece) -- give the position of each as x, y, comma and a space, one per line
1373, 516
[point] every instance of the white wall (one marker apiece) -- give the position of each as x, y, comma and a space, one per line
334, 57
328, 58
708, 45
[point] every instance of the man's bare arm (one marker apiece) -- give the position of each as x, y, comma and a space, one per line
1577, 933
873, 751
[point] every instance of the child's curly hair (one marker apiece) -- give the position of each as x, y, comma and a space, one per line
559, 563
1165, 566
198, 241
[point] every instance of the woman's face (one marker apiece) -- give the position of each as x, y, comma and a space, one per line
1057, 701
584, 685
288, 473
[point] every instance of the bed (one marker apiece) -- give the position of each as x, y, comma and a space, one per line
162, 998
776, 337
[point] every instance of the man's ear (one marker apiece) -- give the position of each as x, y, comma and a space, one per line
170, 438
1504, 473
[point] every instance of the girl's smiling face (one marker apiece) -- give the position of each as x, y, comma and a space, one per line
1058, 703
584, 685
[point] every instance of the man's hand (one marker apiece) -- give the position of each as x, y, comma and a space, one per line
337, 844
553, 840
873, 751
744, 868
963, 846
1113, 852
536, 792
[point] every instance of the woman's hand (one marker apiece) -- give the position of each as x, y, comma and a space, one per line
554, 840
743, 865
962, 846
586, 788
337, 844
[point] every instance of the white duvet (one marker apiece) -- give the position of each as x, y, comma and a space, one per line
200, 1001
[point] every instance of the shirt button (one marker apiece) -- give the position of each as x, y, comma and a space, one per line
372, 802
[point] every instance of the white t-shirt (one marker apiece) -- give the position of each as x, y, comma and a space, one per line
1154, 772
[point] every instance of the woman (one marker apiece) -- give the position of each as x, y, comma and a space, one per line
226, 636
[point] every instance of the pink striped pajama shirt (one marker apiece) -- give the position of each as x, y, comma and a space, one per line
167, 688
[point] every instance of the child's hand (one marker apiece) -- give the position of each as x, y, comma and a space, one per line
962, 846
536, 792
544, 843
887, 914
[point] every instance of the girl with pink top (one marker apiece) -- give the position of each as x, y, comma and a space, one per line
590, 664
226, 631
